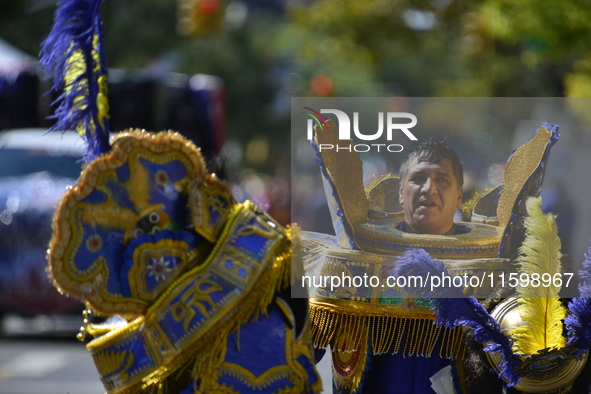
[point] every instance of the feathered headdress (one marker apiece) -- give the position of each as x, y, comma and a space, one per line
539, 303
73, 54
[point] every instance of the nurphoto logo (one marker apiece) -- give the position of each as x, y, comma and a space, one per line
344, 126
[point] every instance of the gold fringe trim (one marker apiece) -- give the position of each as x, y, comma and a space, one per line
347, 365
385, 333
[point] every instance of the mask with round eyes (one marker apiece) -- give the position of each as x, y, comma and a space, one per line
129, 202
148, 224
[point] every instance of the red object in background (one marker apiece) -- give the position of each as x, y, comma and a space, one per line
208, 7
199, 17
321, 85
398, 104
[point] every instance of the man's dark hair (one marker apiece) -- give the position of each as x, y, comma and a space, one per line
434, 152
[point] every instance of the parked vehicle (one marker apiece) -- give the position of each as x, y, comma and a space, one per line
36, 168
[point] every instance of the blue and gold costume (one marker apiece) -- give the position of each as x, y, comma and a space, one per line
149, 235
190, 280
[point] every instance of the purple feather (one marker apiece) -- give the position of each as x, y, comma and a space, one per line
455, 309
76, 23
578, 323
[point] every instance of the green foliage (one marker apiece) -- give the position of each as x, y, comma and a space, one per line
368, 47
242, 58
475, 48
523, 48
137, 32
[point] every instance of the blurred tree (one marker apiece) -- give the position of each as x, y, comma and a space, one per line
514, 49
242, 57
199, 17
521, 48
444, 47
138, 32
376, 47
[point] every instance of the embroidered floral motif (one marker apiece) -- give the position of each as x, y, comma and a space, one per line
159, 268
161, 178
94, 243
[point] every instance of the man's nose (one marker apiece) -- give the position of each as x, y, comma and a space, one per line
428, 186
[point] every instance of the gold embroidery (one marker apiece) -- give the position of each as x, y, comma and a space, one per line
196, 297
110, 362
100, 176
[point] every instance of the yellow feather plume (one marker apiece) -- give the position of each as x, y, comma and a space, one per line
539, 305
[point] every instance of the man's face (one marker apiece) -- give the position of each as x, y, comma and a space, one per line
430, 194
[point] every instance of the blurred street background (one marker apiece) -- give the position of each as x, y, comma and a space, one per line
223, 73
41, 355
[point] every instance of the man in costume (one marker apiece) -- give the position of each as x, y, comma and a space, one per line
382, 337
430, 193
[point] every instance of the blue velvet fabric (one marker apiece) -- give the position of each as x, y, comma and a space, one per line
258, 347
395, 373
399, 374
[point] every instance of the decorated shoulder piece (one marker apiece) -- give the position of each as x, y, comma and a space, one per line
345, 315
187, 278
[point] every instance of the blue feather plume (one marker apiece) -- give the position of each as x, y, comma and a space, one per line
454, 308
73, 54
578, 323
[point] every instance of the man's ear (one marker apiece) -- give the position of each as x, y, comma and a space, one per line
460, 193
400, 197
